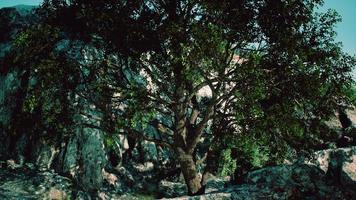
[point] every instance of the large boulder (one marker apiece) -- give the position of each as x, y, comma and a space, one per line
338, 164
289, 180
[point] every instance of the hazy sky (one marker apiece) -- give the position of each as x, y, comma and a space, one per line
346, 29
6, 3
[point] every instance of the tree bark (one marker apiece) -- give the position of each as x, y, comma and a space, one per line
210, 168
190, 173
185, 155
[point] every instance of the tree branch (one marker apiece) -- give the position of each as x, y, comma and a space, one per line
141, 135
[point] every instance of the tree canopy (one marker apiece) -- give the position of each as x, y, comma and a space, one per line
261, 76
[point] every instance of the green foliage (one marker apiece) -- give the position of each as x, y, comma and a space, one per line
109, 142
228, 164
243, 153
47, 79
350, 93
142, 119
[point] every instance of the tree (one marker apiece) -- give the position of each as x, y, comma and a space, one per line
256, 60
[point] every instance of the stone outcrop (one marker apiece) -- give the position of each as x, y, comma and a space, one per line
78, 153
338, 164
332, 178
172, 189
92, 159
43, 155
83, 158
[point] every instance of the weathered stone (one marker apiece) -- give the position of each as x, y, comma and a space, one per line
214, 184
70, 156
9, 83
44, 155
296, 181
125, 176
172, 189
93, 159
149, 151
123, 142
12, 164
110, 177
339, 164
24, 183
145, 167
55, 194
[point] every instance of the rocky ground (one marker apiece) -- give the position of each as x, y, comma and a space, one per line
331, 174
26, 183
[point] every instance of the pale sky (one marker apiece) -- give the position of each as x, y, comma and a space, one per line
346, 29
7, 3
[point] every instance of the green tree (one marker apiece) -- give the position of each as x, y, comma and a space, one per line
261, 62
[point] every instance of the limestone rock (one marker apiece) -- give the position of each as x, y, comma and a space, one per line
43, 155
70, 157
339, 164
172, 189
214, 184
110, 177
26, 183
55, 194
125, 176
93, 159
145, 167
296, 181
149, 151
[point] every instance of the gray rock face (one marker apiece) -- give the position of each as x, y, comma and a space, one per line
214, 184
149, 151
9, 83
70, 157
93, 159
21, 144
84, 158
44, 154
287, 179
12, 20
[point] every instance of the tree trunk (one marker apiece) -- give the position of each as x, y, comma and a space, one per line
191, 177
210, 168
